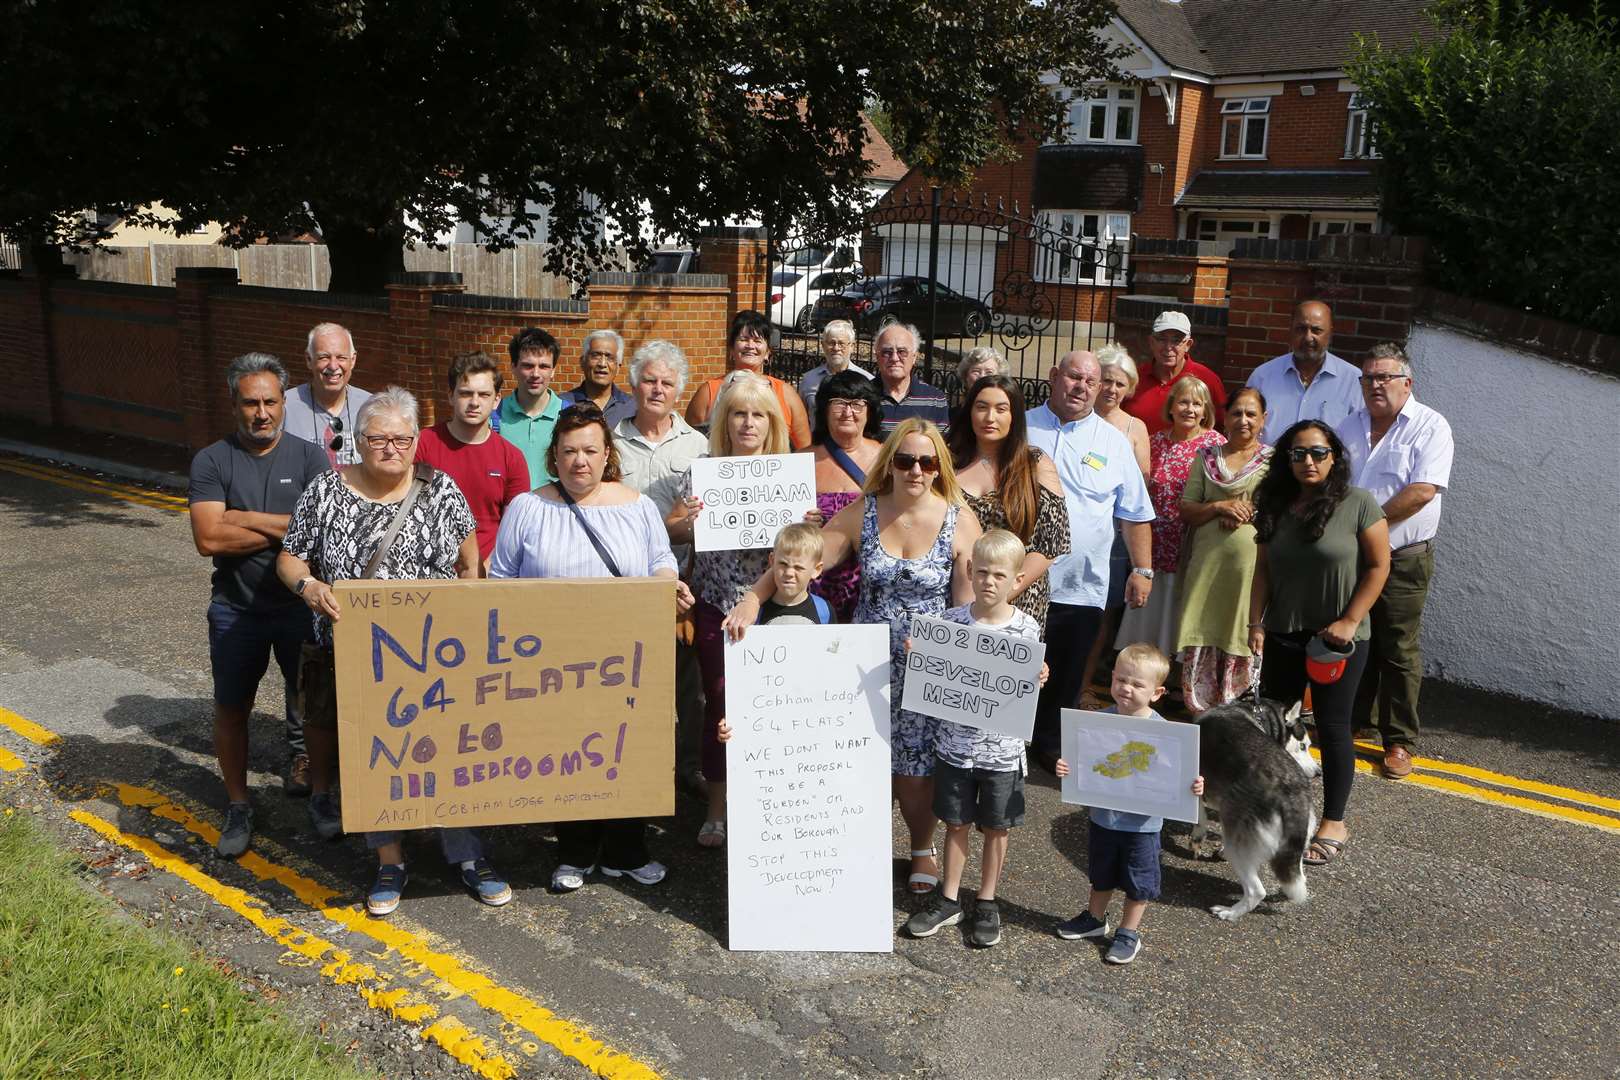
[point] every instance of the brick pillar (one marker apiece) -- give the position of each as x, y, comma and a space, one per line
26, 349
411, 341
1264, 286
1373, 284
204, 400
741, 255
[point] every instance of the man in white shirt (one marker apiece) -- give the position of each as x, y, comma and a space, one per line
322, 411
656, 449
1400, 450
1308, 383
1101, 482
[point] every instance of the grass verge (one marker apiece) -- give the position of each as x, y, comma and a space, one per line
87, 993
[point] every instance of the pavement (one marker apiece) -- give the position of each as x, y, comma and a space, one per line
1471, 929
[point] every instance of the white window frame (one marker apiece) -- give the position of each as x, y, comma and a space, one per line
1083, 263
1359, 139
1107, 101
1339, 225
1242, 114
1228, 237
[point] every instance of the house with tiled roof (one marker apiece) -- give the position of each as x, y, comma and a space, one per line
1231, 119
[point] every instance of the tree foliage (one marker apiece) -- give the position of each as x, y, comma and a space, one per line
1501, 143
382, 121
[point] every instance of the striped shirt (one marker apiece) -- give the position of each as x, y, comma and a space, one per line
922, 400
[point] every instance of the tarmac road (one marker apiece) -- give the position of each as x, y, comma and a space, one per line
1472, 928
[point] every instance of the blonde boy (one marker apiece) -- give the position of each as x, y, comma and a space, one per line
979, 775
1123, 851
795, 563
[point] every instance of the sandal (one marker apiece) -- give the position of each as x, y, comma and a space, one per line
1329, 850
712, 835
920, 882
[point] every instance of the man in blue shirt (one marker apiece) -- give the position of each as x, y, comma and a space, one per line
1101, 482
1308, 383
599, 362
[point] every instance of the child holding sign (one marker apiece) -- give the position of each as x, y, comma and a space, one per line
1124, 848
979, 775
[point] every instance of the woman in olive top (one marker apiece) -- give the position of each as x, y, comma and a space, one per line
1323, 558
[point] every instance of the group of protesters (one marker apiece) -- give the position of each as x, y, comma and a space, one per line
1144, 510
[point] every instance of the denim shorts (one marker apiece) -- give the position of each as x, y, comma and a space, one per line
982, 797
1124, 860
240, 643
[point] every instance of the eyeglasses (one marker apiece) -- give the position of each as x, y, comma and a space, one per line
902, 353
399, 442
906, 462
1315, 453
335, 423
847, 406
1381, 377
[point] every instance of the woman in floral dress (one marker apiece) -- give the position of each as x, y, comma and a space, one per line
1173, 453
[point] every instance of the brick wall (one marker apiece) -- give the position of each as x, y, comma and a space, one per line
148, 362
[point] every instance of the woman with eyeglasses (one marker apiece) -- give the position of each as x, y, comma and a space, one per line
1218, 506
1321, 561
1010, 484
747, 421
912, 534
335, 530
587, 524
849, 434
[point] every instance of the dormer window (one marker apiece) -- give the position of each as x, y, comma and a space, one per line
1103, 114
1244, 125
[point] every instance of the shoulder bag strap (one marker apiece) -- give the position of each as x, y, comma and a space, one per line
590, 533
845, 462
424, 475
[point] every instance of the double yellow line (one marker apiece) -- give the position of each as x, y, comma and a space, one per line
437, 975
158, 500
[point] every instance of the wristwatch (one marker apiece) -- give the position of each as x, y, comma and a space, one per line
1145, 571
299, 589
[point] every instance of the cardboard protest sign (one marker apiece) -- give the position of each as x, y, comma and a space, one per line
1136, 764
807, 800
496, 702
980, 678
748, 500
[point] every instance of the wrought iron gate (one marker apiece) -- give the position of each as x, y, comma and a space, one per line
965, 273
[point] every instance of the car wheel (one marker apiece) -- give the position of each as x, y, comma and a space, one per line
806, 320
973, 324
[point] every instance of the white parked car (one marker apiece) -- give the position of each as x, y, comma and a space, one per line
794, 294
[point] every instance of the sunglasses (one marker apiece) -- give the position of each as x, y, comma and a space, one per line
1315, 453
906, 462
336, 424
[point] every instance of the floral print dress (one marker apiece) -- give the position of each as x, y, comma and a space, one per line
892, 590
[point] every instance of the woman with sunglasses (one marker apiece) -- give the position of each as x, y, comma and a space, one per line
336, 528
912, 535
1010, 484
849, 433
1321, 561
747, 421
572, 528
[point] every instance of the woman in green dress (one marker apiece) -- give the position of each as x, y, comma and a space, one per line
1218, 507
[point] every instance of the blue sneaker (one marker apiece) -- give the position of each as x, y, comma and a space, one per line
1127, 943
1083, 925
386, 890
485, 884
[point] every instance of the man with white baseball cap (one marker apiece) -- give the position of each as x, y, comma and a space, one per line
1171, 343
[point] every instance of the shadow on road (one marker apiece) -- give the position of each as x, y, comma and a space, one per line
43, 505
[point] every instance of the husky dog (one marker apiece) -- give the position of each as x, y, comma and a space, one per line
1256, 762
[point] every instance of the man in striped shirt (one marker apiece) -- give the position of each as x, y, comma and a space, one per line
896, 348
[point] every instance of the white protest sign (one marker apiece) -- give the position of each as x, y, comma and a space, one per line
748, 500
1135, 764
985, 679
809, 832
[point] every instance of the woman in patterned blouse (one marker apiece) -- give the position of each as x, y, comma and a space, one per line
334, 530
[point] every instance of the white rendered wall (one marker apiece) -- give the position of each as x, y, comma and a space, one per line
1526, 591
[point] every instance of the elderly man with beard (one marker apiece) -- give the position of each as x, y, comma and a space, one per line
1101, 482
243, 489
1308, 383
322, 411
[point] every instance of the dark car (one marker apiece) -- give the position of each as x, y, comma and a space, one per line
876, 302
